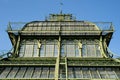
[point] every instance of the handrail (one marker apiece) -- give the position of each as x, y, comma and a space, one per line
112, 53
7, 53
100, 25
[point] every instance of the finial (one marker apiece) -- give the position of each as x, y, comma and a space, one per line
61, 12
61, 4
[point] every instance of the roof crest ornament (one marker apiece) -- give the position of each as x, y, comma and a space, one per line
61, 4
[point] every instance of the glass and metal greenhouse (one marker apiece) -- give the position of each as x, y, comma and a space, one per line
60, 48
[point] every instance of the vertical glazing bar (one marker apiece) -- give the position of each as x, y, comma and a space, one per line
33, 49
80, 48
48, 73
98, 73
57, 60
81, 72
115, 74
95, 55
24, 48
90, 73
103, 54
45, 48
66, 68
17, 46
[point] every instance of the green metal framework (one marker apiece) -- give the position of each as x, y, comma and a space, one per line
62, 27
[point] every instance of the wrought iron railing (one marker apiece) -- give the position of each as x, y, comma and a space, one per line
103, 26
15, 26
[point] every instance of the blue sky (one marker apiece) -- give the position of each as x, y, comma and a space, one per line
88, 10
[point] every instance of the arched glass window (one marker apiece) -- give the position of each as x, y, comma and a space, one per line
36, 48
49, 48
69, 48
91, 48
28, 48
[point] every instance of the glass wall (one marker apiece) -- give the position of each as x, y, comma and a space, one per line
28, 48
49, 48
36, 48
93, 72
91, 48
80, 48
49, 72
27, 72
69, 48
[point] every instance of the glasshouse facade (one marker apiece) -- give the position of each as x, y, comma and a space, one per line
60, 48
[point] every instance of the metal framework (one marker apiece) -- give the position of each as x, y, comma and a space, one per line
70, 40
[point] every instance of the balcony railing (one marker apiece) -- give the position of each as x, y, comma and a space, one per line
64, 28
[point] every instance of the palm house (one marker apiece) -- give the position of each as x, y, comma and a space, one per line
60, 48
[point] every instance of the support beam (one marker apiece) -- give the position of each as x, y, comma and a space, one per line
58, 60
102, 49
17, 46
12, 38
66, 68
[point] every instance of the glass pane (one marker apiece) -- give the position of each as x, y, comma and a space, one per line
21, 72
84, 51
77, 51
1, 69
13, 72
52, 71
42, 50
44, 27
78, 73
29, 42
62, 72
54, 28
103, 74
39, 28
98, 51
35, 51
28, 51
35, 28
111, 74
70, 50
5, 72
44, 73
63, 50
22, 50
55, 50
94, 73
37, 72
70, 73
49, 28
86, 73
91, 50
117, 73
49, 50
29, 72
30, 28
